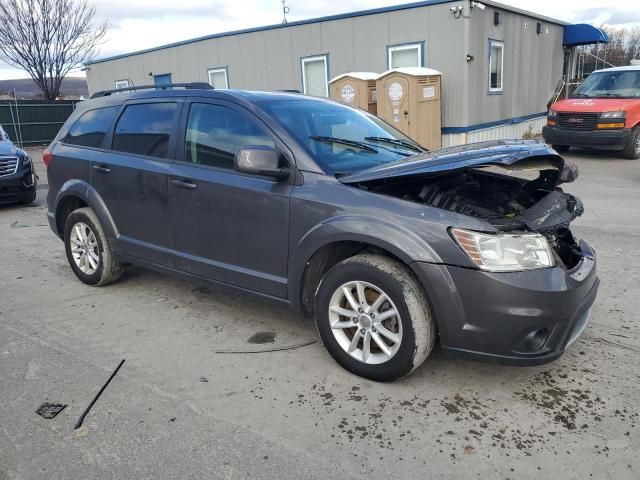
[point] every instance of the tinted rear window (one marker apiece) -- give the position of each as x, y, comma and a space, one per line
90, 129
145, 129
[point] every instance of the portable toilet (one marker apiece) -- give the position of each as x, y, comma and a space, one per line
409, 99
355, 88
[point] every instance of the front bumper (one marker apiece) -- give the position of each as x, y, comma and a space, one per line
606, 139
18, 186
494, 316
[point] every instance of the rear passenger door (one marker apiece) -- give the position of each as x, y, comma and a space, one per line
132, 177
229, 226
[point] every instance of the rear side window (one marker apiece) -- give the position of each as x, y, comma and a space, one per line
215, 134
145, 129
90, 129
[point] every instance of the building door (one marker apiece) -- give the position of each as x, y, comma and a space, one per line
228, 226
163, 79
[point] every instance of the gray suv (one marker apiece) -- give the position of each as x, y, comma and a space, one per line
329, 209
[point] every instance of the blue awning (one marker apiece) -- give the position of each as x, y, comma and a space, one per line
583, 34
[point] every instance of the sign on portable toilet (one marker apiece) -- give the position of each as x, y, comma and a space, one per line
409, 99
355, 88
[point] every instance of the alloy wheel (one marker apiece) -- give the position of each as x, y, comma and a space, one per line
84, 248
365, 322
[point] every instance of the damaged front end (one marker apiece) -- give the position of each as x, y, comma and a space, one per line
511, 185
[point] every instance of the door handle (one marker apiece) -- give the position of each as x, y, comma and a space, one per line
101, 168
184, 184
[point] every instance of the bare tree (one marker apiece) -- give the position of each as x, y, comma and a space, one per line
48, 38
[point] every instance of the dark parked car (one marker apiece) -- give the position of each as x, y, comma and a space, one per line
329, 209
18, 179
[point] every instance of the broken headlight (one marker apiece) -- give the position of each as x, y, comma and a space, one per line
505, 252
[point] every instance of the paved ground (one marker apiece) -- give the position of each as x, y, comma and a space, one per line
180, 409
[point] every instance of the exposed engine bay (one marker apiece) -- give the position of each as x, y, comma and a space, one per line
522, 199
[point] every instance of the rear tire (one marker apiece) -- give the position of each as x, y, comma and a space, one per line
88, 250
632, 148
561, 148
352, 329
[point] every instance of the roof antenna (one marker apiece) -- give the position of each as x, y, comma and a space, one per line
285, 10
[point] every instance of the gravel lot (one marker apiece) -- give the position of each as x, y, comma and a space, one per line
185, 406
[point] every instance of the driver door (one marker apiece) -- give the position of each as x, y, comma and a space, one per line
228, 226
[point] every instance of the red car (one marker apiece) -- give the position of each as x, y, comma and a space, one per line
603, 113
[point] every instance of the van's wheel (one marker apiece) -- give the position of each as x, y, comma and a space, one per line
88, 250
561, 148
632, 148
373, 317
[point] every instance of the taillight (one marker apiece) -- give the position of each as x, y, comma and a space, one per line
46, 157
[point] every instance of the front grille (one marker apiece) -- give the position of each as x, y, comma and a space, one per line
8, 165
577, 121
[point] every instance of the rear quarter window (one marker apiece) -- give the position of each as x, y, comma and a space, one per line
92, 126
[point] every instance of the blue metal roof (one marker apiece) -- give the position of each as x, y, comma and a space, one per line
583, 34
361, 13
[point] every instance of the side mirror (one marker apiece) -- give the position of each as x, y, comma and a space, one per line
260, 160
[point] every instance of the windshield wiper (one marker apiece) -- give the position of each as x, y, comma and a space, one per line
344, 141
396, 141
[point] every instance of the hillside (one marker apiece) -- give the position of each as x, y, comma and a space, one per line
26, 88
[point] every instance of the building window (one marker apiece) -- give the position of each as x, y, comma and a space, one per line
162, 79
315, 76
496, 63
218, 78
122, 84
408, 55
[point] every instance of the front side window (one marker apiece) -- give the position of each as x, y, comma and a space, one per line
215, 134
91, 128
315, 76
145, 129
496, 63
218, 78
614, 83
401, 56
339, 138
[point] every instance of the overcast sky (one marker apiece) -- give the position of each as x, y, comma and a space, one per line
139, 24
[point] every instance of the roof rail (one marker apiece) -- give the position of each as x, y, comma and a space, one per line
188, 86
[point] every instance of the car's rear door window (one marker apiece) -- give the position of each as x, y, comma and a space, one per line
91, 128
215, 133
145, 129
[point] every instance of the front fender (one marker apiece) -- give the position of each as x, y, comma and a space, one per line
395, 239
85, 192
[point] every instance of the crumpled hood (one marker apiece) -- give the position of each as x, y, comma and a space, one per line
499, 152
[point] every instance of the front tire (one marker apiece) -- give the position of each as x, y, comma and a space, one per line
373, 317
632, 148
88, 250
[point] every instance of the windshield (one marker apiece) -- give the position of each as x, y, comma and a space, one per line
622, 83
340, 139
